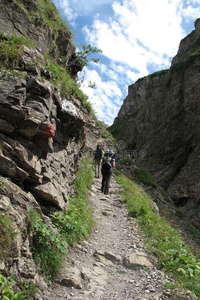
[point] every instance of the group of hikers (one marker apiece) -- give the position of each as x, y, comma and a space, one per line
105, 161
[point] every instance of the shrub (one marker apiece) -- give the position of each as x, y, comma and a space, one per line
47, 247
6, 289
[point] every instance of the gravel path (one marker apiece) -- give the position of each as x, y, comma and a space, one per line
113, 263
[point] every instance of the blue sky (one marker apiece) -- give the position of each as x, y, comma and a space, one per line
137, 37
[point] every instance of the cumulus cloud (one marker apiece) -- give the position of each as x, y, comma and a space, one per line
191, 12
105, 97
139, 32
138, 37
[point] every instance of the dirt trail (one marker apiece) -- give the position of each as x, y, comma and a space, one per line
112, 264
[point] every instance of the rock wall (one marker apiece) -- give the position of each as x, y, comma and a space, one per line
36, 171
161, 117
23, 18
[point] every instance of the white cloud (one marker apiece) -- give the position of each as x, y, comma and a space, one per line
102, 96
155, 23
191, 13
138, 38
139, 32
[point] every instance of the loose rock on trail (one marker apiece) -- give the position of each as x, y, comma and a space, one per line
113, 262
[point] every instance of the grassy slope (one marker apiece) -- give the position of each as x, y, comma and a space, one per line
163, 240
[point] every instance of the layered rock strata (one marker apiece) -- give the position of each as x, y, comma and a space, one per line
37, 172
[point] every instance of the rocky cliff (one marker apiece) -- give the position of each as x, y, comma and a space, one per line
38, 68
160, 116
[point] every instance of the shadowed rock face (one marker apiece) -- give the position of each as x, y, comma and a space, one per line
161, 116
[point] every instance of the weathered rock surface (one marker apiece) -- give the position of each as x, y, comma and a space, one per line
135, 260
160, 117
24, 20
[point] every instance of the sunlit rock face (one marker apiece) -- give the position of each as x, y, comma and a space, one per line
160, 117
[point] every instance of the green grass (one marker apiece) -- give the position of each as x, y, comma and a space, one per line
48, 248
161, 73
75, 223
100, 124
50, 15
11, 50
46, 13
117, 129
7, 234
143, 176
67, 86
181, 66
165, 242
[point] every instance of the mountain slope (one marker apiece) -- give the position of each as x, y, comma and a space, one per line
160, 117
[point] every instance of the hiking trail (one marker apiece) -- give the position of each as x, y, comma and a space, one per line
112, 263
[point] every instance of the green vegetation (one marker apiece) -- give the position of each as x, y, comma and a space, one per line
143, 176
126, 160
84, 58
6, 289
70, 226
185, 63
48, 247
158, 73
75, 223
46, 12
163, 241
107, 133
50, 15
28, 289
11, 50
8, 286
118, 129
83, 55
7, 234
190, 226
67, 86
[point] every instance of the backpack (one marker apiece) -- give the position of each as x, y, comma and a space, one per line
98, 153
107, 163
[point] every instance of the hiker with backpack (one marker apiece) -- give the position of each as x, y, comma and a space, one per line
108, 163
97, 160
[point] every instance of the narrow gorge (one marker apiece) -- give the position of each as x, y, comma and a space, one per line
48, 134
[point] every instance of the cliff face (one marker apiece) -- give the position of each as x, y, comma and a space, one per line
33, 174
161, 117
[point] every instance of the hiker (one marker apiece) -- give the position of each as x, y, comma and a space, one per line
97, 159
108, 163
